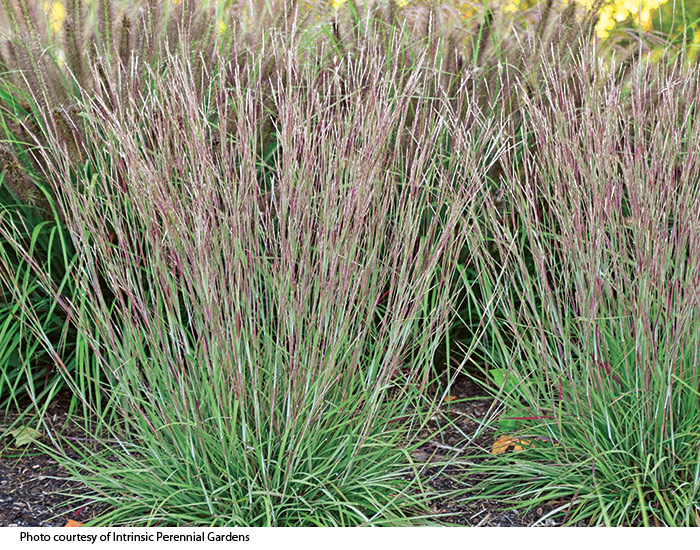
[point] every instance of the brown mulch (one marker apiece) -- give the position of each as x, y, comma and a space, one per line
460, 438
33, 487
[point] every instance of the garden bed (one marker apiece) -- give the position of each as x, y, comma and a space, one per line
34, 489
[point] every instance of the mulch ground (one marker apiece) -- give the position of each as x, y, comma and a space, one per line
34, 490
461, 438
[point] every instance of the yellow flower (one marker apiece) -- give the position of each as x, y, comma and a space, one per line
617, 11
611, 13
511, 6
56, 13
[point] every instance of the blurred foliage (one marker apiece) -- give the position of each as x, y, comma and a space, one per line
681, 21
668, 17
677, 19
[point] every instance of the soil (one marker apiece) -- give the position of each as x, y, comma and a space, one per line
461, 437
34, 490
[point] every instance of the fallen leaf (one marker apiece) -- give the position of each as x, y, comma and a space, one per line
508, 442
73, 523
24, 435
450, 398
505, 442
697, 518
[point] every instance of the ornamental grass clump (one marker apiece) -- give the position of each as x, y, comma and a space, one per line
266, 320
595, 267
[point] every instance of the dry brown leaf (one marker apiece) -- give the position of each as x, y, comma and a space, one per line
506, 442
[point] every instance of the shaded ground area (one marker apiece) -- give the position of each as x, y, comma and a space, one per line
460, 439
33, 488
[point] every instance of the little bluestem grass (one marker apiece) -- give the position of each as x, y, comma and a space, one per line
595, 277
268, 350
